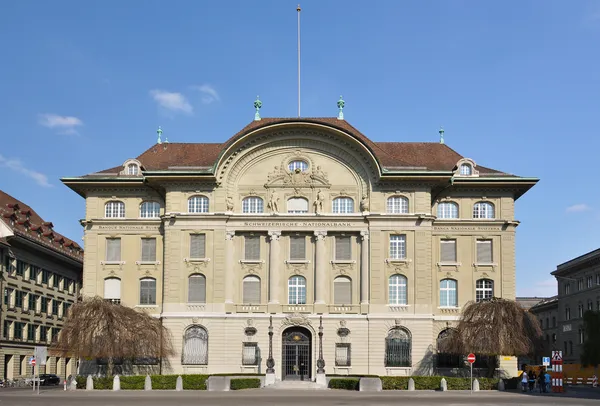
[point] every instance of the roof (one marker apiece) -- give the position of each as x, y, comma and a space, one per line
547, 302
26, 223
582, 261
529, 302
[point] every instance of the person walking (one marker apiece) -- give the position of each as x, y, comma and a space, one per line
524, 380
548, 380
542, 381
532, 377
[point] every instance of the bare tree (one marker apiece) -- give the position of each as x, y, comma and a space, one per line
493, 327
96, 328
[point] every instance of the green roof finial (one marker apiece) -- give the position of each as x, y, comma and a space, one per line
159, 132
441, 135
341, 103
257, 106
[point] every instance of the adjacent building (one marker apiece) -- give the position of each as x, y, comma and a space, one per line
41, 275
297, 226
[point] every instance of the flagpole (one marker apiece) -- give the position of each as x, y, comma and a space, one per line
298, 10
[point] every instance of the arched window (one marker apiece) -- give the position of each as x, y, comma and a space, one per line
448, 295
252, 204
297, 205
195, 346
150, 210
398, 348
342, 290
343, 205
251, 293
483, 210
297, 290
447, 210
298, 164
132, 169
398, 290
466, 170
114, 209
484, 289
198, 204
196, 288
443, 359
148, 291
112, 290
397, 204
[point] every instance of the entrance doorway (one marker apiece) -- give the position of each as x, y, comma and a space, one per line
296, 354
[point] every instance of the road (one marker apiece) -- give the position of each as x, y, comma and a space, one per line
54, 397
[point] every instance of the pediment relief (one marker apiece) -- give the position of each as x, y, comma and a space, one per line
282, 177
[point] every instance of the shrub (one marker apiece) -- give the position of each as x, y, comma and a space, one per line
230, 374
132, 382
81, 381
164, 381
104, 382
344, 383
433, 383
194, 382
394, 382
244, 383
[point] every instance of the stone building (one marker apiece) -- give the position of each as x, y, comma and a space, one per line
41, 275
292, 223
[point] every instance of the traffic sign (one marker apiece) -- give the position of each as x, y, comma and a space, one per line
471, 358
557, 355
33, 362
546, 361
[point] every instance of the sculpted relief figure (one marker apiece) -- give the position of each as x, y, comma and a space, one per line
318, 173
277, 172
229, 203
273, 204
319, 202
364, 204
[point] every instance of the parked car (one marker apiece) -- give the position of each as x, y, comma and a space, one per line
49, 379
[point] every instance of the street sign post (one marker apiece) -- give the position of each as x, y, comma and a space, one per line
557, 374
32, 362
471, 359
546, 361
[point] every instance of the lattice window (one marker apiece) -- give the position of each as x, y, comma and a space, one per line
298, 164
398, 345
297, 290
448, 293
252, 205
483, 210
114, 209
484, 289
343, 205
198, 204
447, 210
398, 290
150, 210
148, 291
195, 346
398, 246
397, 205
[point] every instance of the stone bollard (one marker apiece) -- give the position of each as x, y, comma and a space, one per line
411, 384
89, 383
475, 385
179, 384
116, 383
443, 385
72, 383
501, 385
148, 383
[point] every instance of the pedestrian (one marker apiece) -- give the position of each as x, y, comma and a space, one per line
548, 380
524, 381
542, 381
531, 380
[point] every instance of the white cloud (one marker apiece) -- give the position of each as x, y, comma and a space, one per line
64, 124
172, 101
209, 93
17, 166
577, 208
544, 288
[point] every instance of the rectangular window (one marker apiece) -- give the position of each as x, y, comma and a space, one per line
45, 276
343, 248
19, 298
484, 252
32, 301
448, 251
297, 248
44, 305
197, 246
7, 294
56, 281
31, 332
148, 292
342, 354
43, 334
398, 246
252, 248
55, 305
33, 272
250, 354
567, 288
6, 331
18, 330
148, 249
20, 267
113, 250
580, 284
55, 333
590, 282
567, 313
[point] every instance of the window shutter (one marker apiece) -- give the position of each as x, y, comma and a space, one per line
343, 251
484, 251
297, 205
197, 289
448, 251
113, 249
342, 291
251, 290
112, 288
297, 248
197, 246
252, 248
148, 249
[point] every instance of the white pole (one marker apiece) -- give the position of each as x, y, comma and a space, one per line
33, 378
298, 10
471, 378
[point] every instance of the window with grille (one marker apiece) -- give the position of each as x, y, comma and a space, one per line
252, 204
483, 210
398, 345
198, 204
252, 248
112, 290
251, 290
298, 164
398, 290
197, 289
297, 205
150, 210
114, 209
342, 290
466, 170
342, 355
484, 289
343, 248
397, 205
297, 248
297, 290
343, 205
446, 360
448, 293
197, 246
398, 246
148, 249
132, 169
250, 354
148, 291
195, 346
447, 210
113, 250
484, 252
448, 251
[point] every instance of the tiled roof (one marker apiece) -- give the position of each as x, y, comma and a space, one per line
26, 223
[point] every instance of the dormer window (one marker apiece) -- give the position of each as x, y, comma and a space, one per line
466, 170
466, 167
133, 169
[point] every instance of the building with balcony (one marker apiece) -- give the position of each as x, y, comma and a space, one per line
41, 275
297, 223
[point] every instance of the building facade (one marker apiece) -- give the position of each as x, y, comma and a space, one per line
41, 275
297, 226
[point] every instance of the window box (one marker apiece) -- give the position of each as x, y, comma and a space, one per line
343, 261
398, 260
148, 262
112, 262
251, 261
193, 260
297, 261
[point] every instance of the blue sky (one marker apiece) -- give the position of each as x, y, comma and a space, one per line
516, 85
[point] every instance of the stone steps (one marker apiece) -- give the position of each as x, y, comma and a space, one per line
295, 385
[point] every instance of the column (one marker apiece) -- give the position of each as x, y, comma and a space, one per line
229, 272
364, 268
321, 273
274, 267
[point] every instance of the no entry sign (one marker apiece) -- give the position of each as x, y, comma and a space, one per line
471, 358
33, 362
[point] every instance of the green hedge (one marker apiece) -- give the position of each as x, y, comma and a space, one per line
229, 374
103, 383
433, 383
194, 382
164, 382
344, 383
132, 382
136, 382
244, 383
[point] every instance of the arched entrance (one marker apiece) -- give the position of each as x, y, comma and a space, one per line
296, 354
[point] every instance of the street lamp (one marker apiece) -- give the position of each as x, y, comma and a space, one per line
321, 361
270, 360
